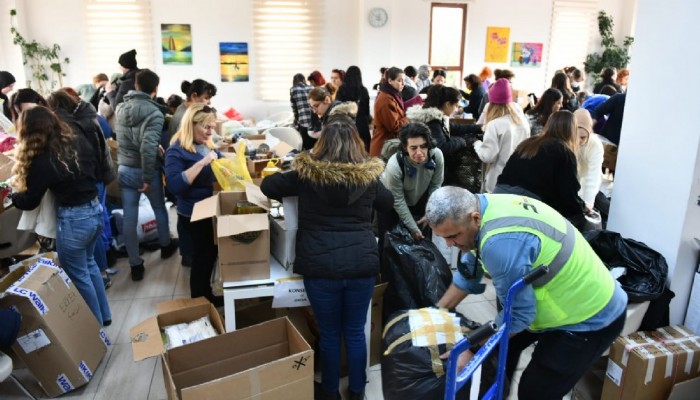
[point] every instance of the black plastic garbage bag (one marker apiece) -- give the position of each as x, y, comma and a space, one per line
417, 273
408, 371
645, 278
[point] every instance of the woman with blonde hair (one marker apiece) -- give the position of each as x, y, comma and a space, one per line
505, 127
336, 252
51, 157
190, 178
544, 167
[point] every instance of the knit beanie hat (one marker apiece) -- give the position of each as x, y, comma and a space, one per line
128, 59
6, 79
501, 92
424, 72
583, 120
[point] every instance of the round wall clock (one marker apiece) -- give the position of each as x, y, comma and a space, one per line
378, 17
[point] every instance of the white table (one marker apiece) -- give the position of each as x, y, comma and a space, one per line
265, 288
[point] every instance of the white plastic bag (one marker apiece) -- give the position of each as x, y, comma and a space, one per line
146, 227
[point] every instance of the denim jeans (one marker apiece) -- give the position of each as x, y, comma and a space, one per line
340, 307
130, 181
79, 227
101, 245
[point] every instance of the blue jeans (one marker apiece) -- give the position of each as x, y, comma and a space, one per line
102, 243
130, 181
340, 307
79, 227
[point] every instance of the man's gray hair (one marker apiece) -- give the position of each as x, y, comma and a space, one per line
450, 202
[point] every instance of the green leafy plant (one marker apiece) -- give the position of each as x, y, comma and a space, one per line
613, 55
44, 62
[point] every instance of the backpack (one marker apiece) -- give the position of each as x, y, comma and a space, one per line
393, 146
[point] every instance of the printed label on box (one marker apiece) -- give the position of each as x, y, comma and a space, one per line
105, 338
33, 341
614, 372
85, 370
290, 292
33, 297
64, 383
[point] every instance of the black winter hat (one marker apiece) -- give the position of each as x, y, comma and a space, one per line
128, 59
6, 79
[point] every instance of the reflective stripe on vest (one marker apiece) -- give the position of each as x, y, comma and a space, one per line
566, 240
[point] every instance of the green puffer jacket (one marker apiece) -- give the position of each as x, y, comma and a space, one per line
139, 124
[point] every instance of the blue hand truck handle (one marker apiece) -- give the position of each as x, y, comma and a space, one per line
455, 380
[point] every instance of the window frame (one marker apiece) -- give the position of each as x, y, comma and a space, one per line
458, 69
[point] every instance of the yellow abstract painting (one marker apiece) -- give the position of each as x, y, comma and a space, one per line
497, 44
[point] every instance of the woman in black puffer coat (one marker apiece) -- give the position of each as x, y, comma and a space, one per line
338, 187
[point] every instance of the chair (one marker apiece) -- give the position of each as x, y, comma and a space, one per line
288, 135
6, 371
282, 119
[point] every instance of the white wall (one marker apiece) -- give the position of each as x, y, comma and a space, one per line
657, 178
348, 39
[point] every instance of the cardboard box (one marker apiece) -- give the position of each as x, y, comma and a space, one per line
240, 259
60, 340
263, 362
646, 365
146, 339
283, 233
283, 239
375, 335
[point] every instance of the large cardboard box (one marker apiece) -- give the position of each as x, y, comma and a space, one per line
375, 335
262, 362
146, 339
646, 365
60, 340
243, 240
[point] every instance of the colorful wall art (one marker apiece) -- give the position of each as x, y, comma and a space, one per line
176, 43
497, 44
233, 61
526, 55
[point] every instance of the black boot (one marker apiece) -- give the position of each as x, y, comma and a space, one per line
137, 272
321, 394
357, 395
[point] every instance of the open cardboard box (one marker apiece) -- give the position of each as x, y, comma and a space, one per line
59, 340
238, 260
263, 362
146, 339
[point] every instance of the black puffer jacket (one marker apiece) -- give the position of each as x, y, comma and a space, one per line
335, 238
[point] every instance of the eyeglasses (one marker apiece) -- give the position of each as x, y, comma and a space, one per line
207, 127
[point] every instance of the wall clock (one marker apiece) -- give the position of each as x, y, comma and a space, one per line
378, 17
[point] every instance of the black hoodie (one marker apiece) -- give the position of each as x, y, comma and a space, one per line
83, 121
335, 238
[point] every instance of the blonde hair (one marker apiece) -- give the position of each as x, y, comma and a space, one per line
499, 110
195, 114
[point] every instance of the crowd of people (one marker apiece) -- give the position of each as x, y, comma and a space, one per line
402, 164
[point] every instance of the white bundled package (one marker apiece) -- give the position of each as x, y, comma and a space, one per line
181, 334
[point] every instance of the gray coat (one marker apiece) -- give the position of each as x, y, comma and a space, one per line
138, 126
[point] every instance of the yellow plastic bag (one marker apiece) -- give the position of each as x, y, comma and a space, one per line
232, 173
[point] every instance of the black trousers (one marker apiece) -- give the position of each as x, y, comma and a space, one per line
204, 253
560, 359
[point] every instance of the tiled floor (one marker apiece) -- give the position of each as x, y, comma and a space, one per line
119, 377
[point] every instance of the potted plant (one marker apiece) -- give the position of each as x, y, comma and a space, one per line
613, 55
44, 62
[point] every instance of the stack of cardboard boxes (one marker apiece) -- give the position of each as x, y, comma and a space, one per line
646, 365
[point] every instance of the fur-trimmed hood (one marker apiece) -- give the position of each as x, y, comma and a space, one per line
338, 183
424, 115
348, 108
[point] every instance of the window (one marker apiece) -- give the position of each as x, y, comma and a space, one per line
287, 39
447, 29
573, 25
115, 27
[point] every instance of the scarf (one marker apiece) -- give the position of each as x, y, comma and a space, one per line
388, 89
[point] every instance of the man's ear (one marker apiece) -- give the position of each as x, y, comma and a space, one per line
476, 217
